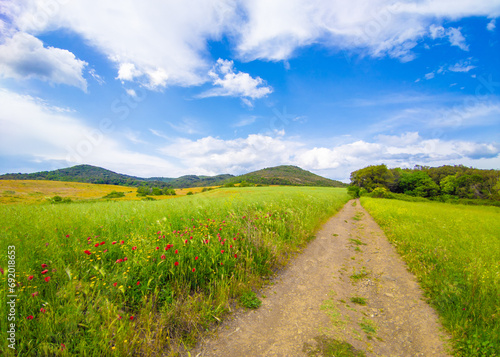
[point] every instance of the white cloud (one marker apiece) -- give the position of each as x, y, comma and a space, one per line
491, 25
461, 67
23, 56
33, 128
229, 83
164, 43
429, 75
245, 121
187, 126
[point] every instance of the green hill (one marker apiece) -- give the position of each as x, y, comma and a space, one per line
286, 175
279, 175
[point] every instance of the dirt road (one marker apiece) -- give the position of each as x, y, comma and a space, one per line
348, 285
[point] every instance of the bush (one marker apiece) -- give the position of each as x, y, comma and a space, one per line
353, 191
59, 199
250, 300
114, 194
381, 192
190, 193
229, 184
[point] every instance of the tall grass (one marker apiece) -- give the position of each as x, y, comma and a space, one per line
143, 277
455, 253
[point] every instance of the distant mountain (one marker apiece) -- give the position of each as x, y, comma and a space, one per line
279, 175
286, 175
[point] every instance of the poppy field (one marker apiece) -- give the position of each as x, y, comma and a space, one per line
144, 277
454, 251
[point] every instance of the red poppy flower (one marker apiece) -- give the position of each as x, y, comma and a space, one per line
157, 248
236, 255
44, 265
114, 243
119, 260
96, 245
194, 270
30, 277
102, 243
42, 310
89, 238
105, 250
138, 282
222, 251
63, 346
158, 233
30, 317
87, 252
163, 256
176, 251
131, 317
134, 248
122, 242
195, 258
176, 263
47, 279
67, 235
115, 284
34, 294
44, 271
125, 259
185, 242
119, 317
191, 237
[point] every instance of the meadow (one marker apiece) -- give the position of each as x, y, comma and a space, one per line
118, 278
40, 191
454, 251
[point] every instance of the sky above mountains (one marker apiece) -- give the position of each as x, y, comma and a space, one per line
168, 88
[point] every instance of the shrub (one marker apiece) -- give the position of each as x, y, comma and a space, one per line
381, 192
114, 194
250, 300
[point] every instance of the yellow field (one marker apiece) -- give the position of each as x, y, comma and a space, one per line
38, 191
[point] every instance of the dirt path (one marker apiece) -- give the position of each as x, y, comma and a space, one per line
350, 258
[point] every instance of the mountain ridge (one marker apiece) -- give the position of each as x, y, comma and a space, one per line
278, 175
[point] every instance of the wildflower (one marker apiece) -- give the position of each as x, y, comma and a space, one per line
42, 310
105, 250
34, 294
163, 256
63, 346
30, 317
122, 242
30, 277
176, 263
222, 251
46, 244
102, 243
44, 265
185, 242
191, 237
44, 271
138, 282
176, 251
89, 238
87, 252
1, 271
67, 235
195, 258
157, 248
119, 260
119, 317
236, 255
125, 259
47, 279
96, 245
114, 242
131, 317
134, 248
194, 270
115, 284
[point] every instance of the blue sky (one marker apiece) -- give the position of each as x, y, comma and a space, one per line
205, 87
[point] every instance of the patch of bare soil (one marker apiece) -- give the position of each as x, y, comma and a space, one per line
348, 285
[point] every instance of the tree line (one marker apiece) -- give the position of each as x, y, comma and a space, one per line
429, 182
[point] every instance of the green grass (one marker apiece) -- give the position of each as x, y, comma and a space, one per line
455, 253
250, 300
358, 300
161, 284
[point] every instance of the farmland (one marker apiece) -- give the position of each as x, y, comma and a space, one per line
111, 278
454, 251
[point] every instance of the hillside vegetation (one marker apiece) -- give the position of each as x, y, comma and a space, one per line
286, 175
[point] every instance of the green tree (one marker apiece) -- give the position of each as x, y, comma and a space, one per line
417, 183
372, 177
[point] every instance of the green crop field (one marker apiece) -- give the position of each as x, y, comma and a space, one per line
454, 251
141, 277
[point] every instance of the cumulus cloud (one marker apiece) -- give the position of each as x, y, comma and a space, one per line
35, 129
165, 43
491, 25
229, 83
463, 66
23, 56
